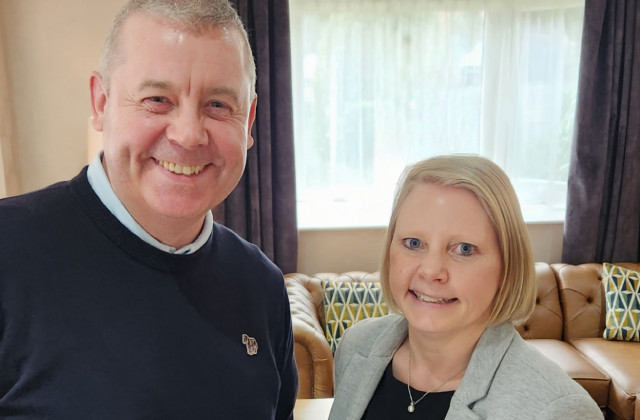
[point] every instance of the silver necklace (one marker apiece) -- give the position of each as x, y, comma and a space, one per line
412, 405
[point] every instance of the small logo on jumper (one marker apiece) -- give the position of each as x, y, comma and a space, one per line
251, 343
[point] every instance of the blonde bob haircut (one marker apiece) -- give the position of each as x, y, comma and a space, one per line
515, 299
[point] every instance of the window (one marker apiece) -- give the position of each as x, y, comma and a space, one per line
379, 84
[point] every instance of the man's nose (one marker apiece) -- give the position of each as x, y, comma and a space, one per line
187, 129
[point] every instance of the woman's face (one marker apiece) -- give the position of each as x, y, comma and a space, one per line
445, 265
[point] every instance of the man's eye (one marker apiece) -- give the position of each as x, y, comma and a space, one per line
157, 104
465, 249
412, 243
216, 104
217, 109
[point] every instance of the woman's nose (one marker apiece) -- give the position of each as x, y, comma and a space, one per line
433, 266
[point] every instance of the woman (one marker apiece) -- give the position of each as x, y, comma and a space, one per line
458, 272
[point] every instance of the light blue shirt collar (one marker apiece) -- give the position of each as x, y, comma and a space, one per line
100, 184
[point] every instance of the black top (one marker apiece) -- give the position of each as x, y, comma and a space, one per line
97, 324
391, 399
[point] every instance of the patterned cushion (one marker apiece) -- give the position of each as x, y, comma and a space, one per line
346, 303
622, 296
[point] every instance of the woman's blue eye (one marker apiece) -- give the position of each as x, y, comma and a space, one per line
466, 249
412, 243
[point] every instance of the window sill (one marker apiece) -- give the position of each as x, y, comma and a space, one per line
375, 215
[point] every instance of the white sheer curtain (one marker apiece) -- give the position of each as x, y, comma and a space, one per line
379, 84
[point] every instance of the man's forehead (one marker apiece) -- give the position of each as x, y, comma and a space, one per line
176, 28
142, 29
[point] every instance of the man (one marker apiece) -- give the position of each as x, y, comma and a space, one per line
120, 298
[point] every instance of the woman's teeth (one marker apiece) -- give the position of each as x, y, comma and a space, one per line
425, 298
176, 168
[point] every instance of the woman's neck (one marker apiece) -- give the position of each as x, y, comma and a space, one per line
438, 361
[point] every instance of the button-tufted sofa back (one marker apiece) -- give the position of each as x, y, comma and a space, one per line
546, 320
582, 298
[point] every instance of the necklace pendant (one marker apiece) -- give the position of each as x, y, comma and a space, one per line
411, 408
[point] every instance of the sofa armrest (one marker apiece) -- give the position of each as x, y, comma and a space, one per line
314, 359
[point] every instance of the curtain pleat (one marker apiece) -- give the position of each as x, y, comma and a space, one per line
603, 203
262, 208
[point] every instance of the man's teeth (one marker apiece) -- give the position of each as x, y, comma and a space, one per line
425, 298
176, 168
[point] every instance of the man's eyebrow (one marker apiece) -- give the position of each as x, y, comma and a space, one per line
223, 91
153, 84
214, 91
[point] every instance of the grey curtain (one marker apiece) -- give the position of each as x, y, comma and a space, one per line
603, 205
262, 208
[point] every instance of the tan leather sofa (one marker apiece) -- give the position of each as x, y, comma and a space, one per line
566, 326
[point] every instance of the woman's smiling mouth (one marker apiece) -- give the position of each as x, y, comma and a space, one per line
429, 299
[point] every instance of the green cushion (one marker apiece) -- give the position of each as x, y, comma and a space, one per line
622, 296
346, 303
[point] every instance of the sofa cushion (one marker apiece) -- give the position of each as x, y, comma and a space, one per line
346, 303
594, 381
620, 360
622, 297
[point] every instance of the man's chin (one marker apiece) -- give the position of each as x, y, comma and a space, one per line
181, 213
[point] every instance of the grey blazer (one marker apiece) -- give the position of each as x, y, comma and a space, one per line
506, 378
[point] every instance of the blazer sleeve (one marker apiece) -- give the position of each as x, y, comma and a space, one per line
575, 406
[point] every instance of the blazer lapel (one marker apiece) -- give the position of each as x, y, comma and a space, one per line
364, 370
485, 360
359, 388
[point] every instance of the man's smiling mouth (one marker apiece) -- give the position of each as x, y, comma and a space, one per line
179, 169
429, 299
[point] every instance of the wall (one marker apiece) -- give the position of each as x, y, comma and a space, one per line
344, 250
50, 49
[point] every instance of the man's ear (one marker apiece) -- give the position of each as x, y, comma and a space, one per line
252, 118
98, 100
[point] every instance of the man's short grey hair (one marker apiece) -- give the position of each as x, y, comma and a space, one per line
192, 15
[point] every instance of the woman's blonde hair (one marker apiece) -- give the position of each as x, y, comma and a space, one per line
515, 299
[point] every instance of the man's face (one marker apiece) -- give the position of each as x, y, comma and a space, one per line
176, 123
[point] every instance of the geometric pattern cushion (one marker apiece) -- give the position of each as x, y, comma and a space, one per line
346, 303
622, 297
